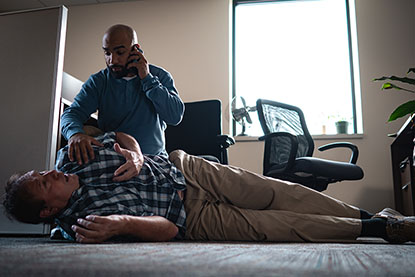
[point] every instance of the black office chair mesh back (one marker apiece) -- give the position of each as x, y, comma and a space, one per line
289, 148
288, 119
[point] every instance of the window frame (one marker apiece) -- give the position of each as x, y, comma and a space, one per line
350, 45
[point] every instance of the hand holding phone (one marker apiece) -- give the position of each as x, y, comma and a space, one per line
137, 64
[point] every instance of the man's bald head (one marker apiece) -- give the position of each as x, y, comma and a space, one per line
120, 30
117, 44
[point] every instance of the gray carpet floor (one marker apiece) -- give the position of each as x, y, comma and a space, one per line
40, 256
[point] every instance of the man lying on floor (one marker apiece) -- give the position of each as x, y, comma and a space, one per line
122, 193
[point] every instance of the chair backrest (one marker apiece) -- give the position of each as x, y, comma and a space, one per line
197, 132
280, 117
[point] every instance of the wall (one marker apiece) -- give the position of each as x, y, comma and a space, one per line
386, 38
188, 38
191, 39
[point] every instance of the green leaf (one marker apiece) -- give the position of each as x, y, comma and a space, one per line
389, 86
402, 110
395, 78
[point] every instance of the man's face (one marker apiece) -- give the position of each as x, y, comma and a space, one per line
53, 187
117, 48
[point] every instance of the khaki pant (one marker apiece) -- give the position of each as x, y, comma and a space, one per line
230, 203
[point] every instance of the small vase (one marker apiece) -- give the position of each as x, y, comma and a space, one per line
342, 127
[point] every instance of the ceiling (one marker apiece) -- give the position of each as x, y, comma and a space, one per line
16, 5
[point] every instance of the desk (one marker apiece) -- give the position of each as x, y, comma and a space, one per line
402, 151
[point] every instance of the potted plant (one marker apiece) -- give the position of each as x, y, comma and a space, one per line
341, 122
342, 126
407, 108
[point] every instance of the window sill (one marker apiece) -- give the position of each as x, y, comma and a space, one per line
315, 137
338, 136
245, 138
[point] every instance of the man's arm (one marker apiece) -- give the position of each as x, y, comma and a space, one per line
84, 104
128, 142
159, 87
95, 229
73, 118
128, 147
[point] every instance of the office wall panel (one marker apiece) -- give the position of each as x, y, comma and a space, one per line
31, 54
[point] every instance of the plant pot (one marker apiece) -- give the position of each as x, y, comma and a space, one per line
413, 155
342, 127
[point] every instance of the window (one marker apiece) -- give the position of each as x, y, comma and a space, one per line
298, 52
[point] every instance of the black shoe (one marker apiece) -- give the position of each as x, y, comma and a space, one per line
399, 228
388, 212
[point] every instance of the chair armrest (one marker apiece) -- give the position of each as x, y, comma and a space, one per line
293, 149
225, 141
355, 150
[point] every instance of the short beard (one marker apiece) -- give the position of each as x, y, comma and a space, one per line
118, 74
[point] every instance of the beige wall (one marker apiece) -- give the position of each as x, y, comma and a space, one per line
191, 40
188, 38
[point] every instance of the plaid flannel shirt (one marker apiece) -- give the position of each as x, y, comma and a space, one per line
152, 192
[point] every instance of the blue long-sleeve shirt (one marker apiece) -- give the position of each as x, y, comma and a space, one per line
140, 108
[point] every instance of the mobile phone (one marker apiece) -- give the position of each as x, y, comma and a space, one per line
133, 69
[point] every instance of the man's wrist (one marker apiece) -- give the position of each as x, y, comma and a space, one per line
149, 82
74, 132
147, 78
124, 227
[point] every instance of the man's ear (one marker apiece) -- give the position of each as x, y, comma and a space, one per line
48, 212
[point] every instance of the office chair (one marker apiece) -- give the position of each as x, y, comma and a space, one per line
289, 148
200, 132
